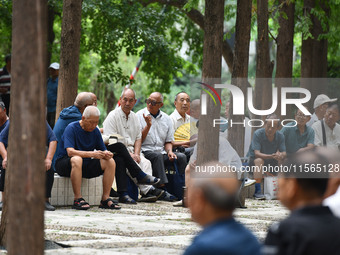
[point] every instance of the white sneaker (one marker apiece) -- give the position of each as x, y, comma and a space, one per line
249, 182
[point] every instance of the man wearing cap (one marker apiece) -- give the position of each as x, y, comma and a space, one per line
52, 91
320, 105
327, 130
5, 82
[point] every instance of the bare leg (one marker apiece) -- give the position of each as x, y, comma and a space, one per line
76, 175
109, 168
258, 162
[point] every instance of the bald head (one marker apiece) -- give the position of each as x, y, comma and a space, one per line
157, 95
195, 108
84, 99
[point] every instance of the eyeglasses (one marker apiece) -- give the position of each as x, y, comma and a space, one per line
153, 103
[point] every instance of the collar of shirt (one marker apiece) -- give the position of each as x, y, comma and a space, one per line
179, 116
122, 113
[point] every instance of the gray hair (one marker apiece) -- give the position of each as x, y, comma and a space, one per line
126, 89
180, 93
90, 111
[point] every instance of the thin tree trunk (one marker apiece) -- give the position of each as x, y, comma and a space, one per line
69, 54
314, 55
26, 173
284, 56
208, 141
240, 69
263, 85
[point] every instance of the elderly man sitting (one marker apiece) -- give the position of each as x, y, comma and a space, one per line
82, 153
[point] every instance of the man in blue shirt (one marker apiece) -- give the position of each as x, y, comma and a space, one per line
52, 92
82, 154
3, 123
266, 148
51, 142
300, 137
211, 200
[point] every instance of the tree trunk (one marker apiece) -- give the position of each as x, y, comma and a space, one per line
50, 32
27, 136
240, 69
69, 54
208, 141
314, 55
263, 84
284, 55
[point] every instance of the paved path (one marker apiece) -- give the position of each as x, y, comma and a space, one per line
157, 228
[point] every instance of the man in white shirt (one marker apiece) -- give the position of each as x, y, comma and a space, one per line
321, 103
180, 117
157, 138
331, 128
123, 121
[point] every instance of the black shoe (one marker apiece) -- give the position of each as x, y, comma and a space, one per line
113, 193
149, 180
148, 198
156, 192
168, 197
49, 207
126, 199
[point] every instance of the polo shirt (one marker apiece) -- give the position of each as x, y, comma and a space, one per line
178, 120
117, 123
311, 230
294, 140
224, 237
161, 131
332, 136
260, 142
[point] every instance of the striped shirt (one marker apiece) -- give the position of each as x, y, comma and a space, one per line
5, 80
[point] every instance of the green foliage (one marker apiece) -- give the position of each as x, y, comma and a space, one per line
5, 29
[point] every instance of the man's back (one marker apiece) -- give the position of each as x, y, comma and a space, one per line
224, 237
309, 230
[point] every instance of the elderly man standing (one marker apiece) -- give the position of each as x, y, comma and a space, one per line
82, 154
300, 137
124, 121
266, 148
321, 103
52, 92
211, 200
157, 138
327, 130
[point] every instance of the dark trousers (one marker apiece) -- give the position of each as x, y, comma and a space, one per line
51, 119
159, 160
49, 181
123, 161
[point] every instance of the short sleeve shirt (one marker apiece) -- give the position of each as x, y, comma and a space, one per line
161, 131
332, 136
178, 120
75, 137
117, 123
261, 143
294, 140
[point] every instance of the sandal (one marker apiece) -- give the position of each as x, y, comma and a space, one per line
79, 203
104, 204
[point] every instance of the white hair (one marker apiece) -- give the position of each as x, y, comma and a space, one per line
91, 110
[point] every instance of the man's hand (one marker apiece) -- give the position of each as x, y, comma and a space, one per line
277, 156
147, 120
108, 154
135, 157
3, 90
172, 156
99, 154
48, 164
4, 163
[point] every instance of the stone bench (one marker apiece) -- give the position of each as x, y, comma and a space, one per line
62, 192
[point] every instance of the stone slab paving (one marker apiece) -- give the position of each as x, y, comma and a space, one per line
155, 228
